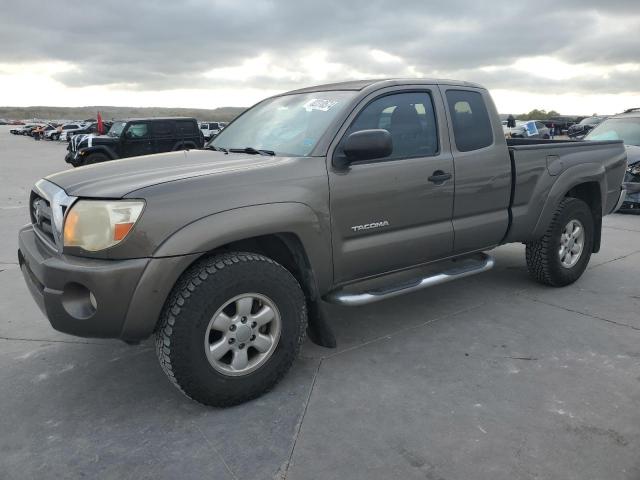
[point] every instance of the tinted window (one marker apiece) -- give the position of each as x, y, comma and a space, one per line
408, 117
471, 123
137, 130
185, 127
625, 129
162, 128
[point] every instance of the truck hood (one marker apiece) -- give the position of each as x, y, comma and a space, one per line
117, 178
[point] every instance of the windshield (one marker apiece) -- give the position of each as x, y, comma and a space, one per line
287, 125
625, 129
116, 129
590, 121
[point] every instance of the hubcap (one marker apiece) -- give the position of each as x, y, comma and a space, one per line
571, 243
242, 334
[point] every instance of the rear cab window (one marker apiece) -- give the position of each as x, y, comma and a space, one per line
472, 128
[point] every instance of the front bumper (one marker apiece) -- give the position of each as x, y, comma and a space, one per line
79, 296
89, 297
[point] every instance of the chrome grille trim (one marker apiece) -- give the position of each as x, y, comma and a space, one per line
59, 203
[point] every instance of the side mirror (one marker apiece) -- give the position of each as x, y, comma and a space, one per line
367, 145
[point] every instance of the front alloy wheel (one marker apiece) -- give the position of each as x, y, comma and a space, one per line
242, 334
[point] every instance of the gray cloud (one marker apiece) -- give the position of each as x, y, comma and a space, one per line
156, 45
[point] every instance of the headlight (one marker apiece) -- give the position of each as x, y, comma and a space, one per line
98, 224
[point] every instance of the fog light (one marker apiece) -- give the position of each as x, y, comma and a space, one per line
78, 301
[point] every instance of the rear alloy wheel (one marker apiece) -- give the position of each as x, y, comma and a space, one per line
562, 254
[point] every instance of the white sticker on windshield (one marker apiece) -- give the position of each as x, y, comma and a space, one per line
319, 104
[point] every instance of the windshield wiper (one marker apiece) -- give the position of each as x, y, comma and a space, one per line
253, 151
217, 149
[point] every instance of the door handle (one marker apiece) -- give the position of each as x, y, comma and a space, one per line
439, 177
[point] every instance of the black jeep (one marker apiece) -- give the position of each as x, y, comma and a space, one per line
133, 138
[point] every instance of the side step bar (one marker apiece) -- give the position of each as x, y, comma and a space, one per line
340, 297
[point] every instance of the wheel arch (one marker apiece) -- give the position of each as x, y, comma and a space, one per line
100, 149
586, 182
184, 144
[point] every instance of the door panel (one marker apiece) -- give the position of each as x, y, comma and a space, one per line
483, 170
387, 214
137, 140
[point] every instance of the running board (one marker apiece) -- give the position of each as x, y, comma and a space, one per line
481, 263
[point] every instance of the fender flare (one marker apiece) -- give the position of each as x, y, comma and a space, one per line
214, 231
100, 149
570, 178
184, 144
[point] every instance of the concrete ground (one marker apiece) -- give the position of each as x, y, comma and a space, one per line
493, 377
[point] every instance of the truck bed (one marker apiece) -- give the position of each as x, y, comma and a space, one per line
549, 168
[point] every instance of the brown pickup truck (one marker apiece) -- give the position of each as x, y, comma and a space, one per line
347, 193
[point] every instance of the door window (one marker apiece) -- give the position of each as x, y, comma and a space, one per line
470, 119
137, 130
408, 117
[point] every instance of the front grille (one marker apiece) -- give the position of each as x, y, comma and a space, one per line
42, 216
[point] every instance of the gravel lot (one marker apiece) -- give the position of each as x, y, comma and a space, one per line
493, 377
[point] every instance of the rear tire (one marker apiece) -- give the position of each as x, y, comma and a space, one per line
190, 342
561, 256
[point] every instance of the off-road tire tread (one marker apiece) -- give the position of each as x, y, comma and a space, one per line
540, 253
194, 276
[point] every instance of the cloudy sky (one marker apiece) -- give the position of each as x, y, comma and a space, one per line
572, 56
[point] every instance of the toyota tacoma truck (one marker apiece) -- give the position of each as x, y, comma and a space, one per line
348, 193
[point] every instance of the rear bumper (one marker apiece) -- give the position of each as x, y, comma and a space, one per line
97, 298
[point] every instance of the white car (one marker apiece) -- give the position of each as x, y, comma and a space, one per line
66, 130
211, 129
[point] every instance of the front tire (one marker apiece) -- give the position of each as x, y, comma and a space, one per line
561, 256
231, 328
94, 158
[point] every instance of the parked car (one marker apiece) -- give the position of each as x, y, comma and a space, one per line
91, 128
20, 128
27, 129
135, 137
625, 127
579, 130
561, 123
210, 129
530, 129
40, 131
64, 133
324, 194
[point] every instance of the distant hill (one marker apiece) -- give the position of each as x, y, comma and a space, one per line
223, 114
